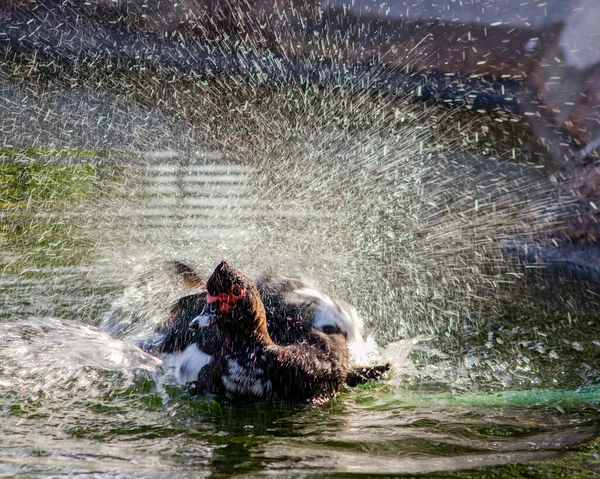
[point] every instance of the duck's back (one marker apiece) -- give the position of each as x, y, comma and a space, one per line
304, 372
297, 373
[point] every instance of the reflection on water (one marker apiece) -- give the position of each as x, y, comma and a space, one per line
76, 401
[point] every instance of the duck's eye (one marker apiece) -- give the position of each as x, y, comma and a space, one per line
213, 307
236, 290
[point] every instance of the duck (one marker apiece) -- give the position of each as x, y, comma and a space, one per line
295, 313
306, 364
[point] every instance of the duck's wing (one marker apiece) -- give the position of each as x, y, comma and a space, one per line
189, 352
294, 308
301, 373
176, 332
270, 284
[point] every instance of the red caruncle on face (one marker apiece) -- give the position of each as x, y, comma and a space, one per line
226, 300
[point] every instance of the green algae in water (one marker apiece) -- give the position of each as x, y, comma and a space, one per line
565, 400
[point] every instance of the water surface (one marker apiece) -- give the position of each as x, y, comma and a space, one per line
495, 394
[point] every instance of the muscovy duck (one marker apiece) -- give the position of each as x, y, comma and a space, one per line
294, 314
307, 364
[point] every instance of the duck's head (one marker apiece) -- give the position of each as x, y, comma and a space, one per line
234, 305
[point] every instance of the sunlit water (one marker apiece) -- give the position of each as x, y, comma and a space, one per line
395, 220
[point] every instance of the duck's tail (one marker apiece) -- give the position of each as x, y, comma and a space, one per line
362, 374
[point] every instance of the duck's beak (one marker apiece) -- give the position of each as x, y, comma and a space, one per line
204, 319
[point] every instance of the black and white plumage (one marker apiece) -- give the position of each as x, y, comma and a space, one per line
305, 340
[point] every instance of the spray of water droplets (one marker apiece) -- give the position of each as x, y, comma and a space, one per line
327, 170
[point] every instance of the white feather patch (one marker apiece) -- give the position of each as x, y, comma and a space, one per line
240, 380
330, 313
347, 319
189, 363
